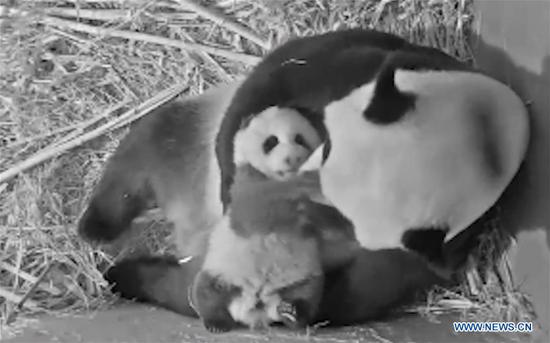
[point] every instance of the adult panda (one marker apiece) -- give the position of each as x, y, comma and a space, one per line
419, 145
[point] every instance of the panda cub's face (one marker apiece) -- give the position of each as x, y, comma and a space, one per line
276, 142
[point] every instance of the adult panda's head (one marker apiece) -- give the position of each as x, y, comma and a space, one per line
276, 142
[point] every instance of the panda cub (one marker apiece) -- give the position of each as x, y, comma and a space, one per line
276, 142
265, 261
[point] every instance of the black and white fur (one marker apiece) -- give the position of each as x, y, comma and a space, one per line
370, 287
266, 259
305, 74
421, 150
276, 143
425, 143
166, 158
164, 281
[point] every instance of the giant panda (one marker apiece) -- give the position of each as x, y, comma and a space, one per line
418, 144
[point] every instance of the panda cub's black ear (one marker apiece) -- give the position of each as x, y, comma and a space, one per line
388, 104
245, 122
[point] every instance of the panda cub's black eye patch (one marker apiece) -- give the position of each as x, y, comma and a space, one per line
270, 143
300, 140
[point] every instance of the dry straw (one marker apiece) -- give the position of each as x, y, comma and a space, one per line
76, 73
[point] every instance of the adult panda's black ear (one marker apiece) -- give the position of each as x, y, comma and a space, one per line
388, 104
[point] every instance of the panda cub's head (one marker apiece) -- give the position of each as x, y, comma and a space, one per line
276, 142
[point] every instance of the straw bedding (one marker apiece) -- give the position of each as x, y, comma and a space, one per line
76, 73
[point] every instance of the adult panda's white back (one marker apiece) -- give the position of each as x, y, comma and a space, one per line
441, 165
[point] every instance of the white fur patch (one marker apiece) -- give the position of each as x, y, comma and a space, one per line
190, 197
426, 169
314, 162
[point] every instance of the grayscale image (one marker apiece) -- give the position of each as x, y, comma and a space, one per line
274, 171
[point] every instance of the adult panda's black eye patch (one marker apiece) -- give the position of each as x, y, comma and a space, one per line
270, 143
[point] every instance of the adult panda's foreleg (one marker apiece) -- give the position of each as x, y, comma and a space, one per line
160, 280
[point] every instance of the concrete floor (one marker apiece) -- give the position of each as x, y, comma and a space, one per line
141, 323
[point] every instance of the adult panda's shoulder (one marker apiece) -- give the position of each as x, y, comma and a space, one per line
265, 81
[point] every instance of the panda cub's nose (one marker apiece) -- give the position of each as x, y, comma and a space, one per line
293, 161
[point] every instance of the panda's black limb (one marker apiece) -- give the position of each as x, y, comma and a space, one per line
300, 302
218, 325
211, 297
374, 285
159, 280
427, 242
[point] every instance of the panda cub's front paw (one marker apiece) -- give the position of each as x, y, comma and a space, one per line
288, 313
218, 326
